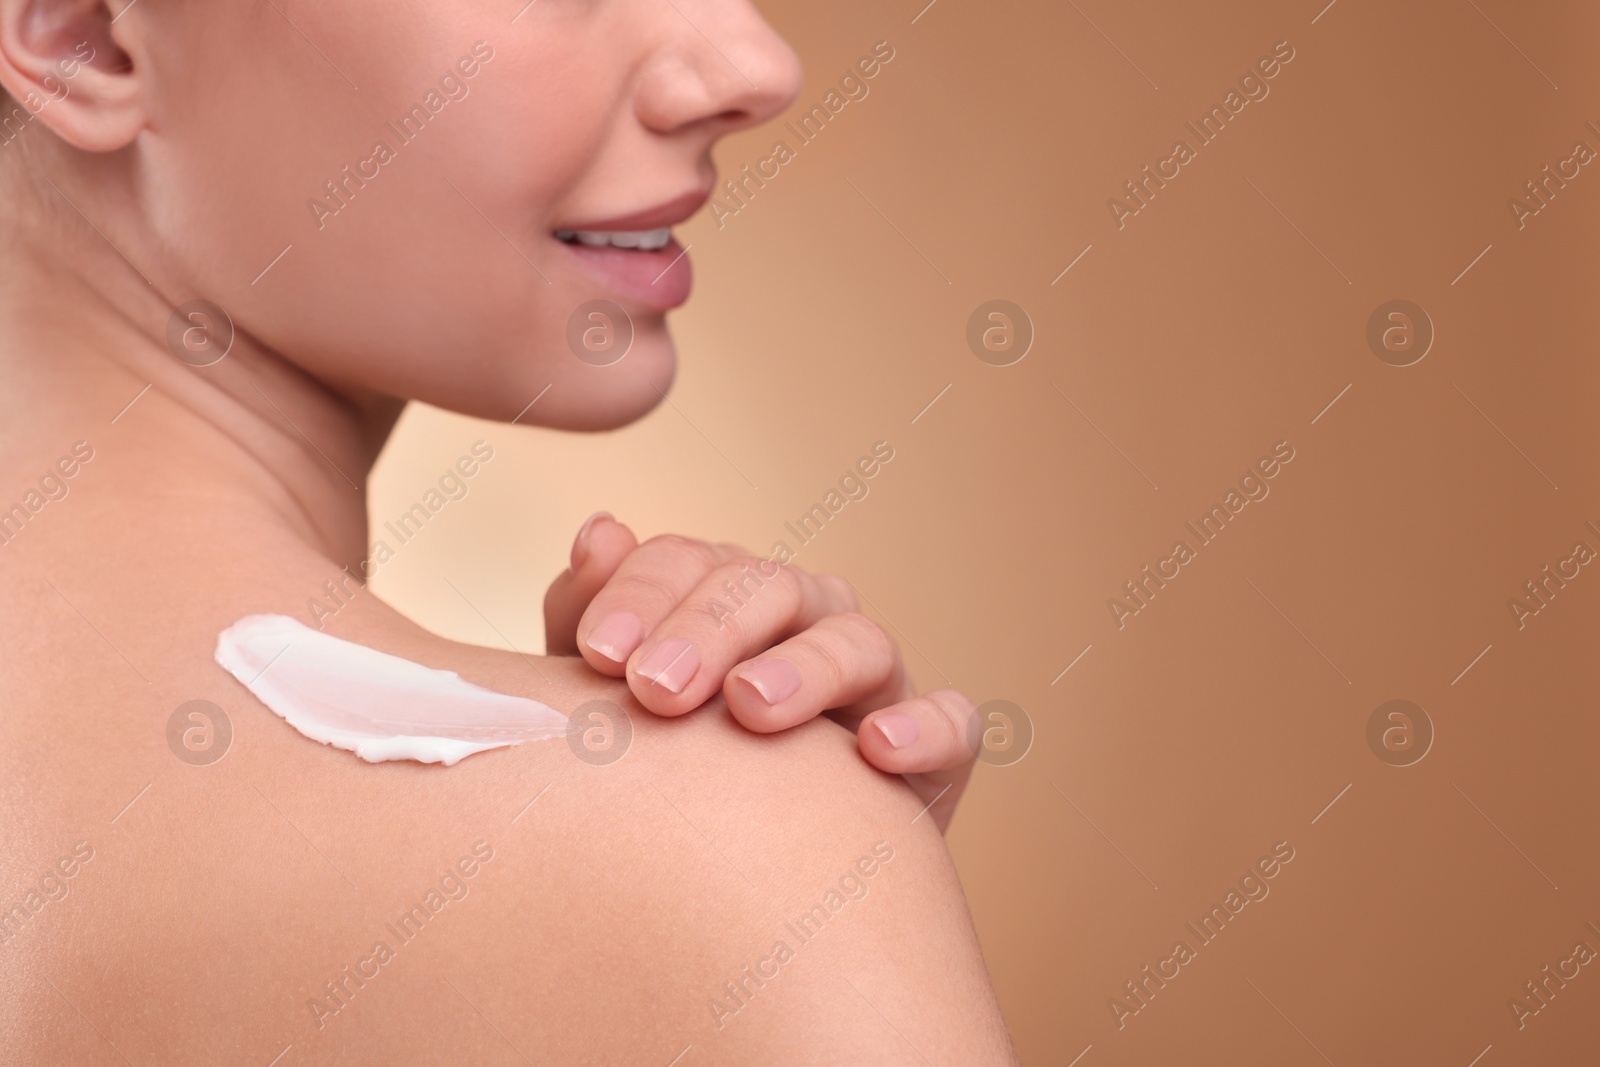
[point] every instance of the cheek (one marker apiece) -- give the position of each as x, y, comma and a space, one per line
446, 247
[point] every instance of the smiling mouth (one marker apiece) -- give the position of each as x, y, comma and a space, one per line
647, 269
634, 256
641, 240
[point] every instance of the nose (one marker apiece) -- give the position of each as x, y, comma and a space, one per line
723, 69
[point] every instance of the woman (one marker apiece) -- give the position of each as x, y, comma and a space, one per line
378, 203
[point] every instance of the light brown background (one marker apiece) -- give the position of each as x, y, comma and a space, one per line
833, 308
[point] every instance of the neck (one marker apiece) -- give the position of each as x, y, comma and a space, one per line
84, 353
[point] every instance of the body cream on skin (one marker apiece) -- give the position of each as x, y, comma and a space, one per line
380, 707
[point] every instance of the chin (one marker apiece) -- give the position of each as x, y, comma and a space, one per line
593, 399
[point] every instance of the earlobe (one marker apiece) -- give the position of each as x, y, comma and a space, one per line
63, 65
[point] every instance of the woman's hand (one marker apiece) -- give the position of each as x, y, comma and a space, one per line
681, 619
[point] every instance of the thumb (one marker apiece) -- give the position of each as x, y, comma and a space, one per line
598, 550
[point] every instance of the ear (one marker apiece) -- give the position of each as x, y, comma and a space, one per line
61, 63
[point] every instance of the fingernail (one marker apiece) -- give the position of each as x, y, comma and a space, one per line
775, 679
897, 728
617, 636
580, 545
670, 664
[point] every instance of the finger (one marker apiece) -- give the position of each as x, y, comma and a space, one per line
929, 740
923, 734
598, 550
742, 607
644, 589
842, 660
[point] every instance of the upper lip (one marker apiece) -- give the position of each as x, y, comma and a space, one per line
669, 213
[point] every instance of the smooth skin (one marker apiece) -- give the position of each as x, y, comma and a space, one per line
222, 900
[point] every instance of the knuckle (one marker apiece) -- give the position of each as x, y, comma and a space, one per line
865, 634
741, 582
728, 629
643, 588
739, 576
840, 590
687, 549
787, 578
667, 541
750, 574
830, 663
953, 709
729, 550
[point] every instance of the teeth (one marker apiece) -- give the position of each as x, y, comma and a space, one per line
647, 240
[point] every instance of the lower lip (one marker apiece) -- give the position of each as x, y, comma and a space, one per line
659, 279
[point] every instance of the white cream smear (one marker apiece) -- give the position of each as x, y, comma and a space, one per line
380, 707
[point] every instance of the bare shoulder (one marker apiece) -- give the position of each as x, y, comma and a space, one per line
644, 888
